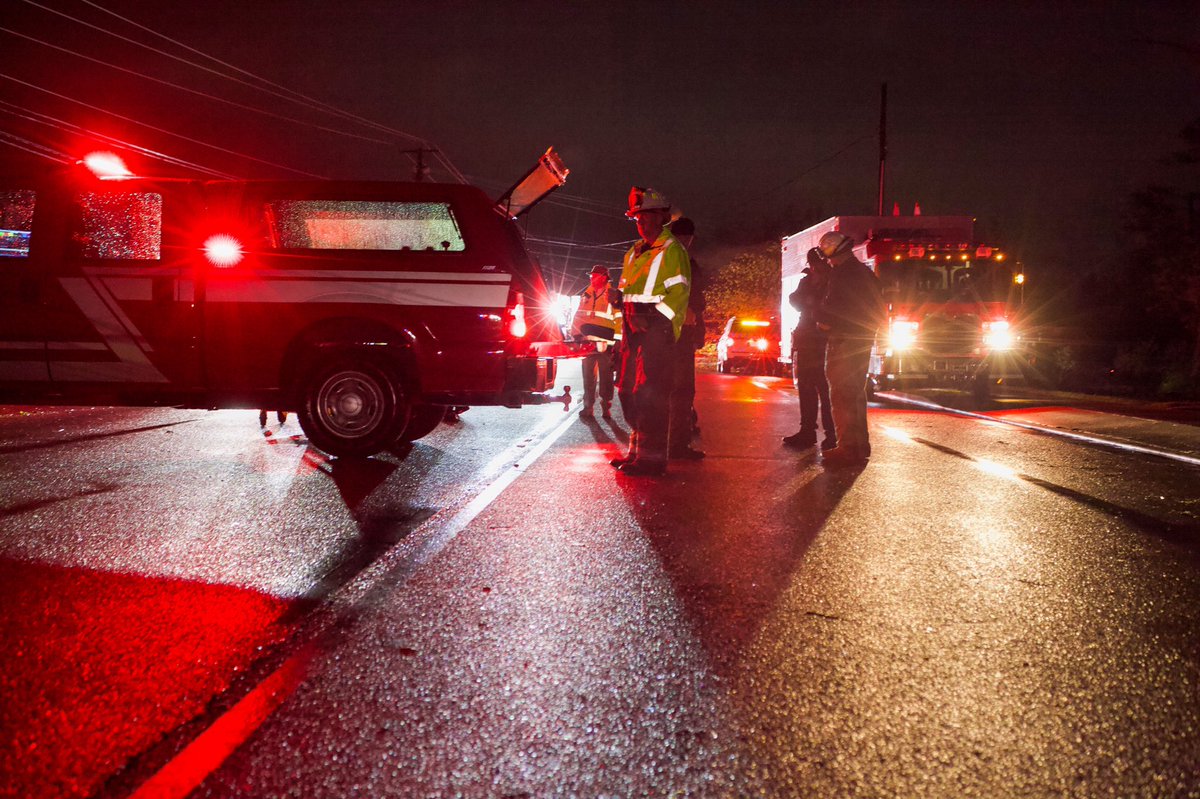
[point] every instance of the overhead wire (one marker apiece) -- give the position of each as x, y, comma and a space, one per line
157, 129
71, 128
267, 86
34, 148
189, 90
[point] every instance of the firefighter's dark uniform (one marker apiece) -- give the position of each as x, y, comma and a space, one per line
853, 310
808, 359
683, 394
655, 286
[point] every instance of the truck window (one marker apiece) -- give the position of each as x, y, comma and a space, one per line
360, 225
16, 223
119, 225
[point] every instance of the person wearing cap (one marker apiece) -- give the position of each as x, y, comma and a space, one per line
808, 357
851, 313
598, 321
691, 338
655, 286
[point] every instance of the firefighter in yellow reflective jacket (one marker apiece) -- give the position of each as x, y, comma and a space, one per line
598, 321
655, 285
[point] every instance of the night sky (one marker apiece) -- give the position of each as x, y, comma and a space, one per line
756, 119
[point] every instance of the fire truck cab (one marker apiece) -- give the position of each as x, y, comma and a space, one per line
366, 307
952, 300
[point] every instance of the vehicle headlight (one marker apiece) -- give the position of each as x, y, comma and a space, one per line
761, 344
998, 335
902, 334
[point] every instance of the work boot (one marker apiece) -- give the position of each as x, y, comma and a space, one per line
644, 468
828, 444
800, 440
630, 456
843, 456
586, 413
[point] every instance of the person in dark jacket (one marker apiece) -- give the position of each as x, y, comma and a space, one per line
808, 357
691, 338
851, 313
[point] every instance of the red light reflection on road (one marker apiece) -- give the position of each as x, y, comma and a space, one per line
99, 666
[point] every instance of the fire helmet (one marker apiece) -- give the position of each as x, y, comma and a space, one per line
599, 269
815, 260
834, 242
644, 199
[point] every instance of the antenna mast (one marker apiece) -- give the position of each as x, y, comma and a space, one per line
882, 143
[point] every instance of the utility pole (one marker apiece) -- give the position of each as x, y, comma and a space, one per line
420, 171
882, 143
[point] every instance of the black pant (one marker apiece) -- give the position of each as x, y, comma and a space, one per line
813, 389
847, 367
647, 376
683, 393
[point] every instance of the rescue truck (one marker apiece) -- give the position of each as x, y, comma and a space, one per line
368, 308
952, 300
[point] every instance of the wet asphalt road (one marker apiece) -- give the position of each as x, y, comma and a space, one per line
190, 605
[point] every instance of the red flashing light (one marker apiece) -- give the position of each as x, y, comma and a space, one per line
223, 250
106, 165
517, 326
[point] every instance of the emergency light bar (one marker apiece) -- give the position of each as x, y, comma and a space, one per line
106, 165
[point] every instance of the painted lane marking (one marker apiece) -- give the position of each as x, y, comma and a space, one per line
209, 750
184, 773
1050, 431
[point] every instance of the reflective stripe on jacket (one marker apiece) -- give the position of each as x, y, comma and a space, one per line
659, 275
595, 311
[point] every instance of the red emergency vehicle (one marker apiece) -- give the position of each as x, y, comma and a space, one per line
366, 307
952, 300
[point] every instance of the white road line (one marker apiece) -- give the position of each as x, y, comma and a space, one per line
486, 497
1051, 431
196, 761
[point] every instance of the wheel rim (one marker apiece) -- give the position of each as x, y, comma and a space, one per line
351, 404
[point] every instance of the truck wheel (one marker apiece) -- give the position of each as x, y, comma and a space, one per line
352, 407
422, 421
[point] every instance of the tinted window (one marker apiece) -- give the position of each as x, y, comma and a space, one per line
16, 223
114, 225
349, 225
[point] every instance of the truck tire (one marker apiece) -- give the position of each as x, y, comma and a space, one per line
352, 407
422, 421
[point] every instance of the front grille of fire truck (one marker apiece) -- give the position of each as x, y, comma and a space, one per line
957, 336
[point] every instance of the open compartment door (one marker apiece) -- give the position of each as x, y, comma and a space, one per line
546, 176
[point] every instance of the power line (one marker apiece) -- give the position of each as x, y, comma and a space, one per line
33, 148
273, 89
77, 130
215, 98
268, 87
160, 130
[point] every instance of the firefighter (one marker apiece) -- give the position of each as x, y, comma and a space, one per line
808, 357
851, 313
598, 321
655, 286
691, 338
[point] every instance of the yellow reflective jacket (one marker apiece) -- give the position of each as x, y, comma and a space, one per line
596, 318
659, 274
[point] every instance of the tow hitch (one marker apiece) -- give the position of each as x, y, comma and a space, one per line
546, 399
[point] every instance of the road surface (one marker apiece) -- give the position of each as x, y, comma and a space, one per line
195, 606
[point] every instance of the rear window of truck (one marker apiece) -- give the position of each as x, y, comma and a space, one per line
363, 225
119, 225
16, 223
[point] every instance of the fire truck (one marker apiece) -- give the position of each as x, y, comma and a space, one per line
368, 308
952, 300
